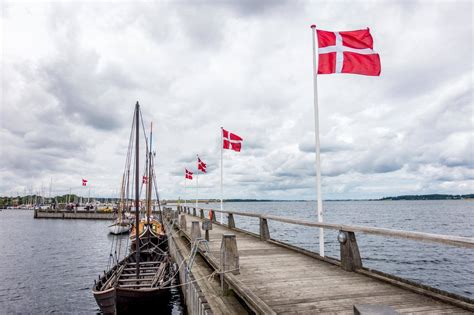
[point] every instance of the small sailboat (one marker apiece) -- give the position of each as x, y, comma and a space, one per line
122, 224
137, 282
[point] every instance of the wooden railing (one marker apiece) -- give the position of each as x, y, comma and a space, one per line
350, 256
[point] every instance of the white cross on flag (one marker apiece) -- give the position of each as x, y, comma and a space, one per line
347, 52
231, 141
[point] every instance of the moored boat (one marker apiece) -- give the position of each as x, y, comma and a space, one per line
137, 281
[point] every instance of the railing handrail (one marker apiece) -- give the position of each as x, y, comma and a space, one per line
418, 236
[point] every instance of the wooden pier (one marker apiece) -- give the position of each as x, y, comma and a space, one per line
256, 274
69, 214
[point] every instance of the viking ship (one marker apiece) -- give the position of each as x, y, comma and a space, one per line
140, 279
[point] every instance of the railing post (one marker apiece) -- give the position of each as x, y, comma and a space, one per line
214, 219
195, 231
264, 232
229, 258
194, 211
182, 222
230, 221
350, 256
206, 226
201, 213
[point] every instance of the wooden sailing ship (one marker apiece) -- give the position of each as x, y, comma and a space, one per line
139, 280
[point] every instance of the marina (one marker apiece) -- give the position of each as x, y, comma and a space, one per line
237, 157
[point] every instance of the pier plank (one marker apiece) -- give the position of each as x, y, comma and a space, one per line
290, 282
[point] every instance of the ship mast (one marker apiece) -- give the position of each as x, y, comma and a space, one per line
137, 192
149, 181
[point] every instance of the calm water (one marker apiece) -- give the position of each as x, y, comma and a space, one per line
49, 266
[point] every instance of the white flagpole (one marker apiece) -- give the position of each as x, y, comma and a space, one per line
222, 173
197, 185
316, 134
185, 175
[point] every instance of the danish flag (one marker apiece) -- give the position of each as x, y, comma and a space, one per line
188, 174
201, 165
347, 52
84, 182
231, 141
144, 180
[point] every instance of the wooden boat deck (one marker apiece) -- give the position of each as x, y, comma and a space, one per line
289, 282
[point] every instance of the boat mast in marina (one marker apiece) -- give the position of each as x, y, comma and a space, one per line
137, 192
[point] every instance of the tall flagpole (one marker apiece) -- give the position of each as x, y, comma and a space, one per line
316, 135
197, 184
222, 173
185, 175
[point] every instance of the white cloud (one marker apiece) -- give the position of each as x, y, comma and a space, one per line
72, 71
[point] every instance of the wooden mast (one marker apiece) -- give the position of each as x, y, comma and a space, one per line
149, 177
137, 192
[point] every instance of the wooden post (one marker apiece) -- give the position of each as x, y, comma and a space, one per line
214, 220
195, 231
182, 222
230, 221
264, 232
201, 213
206, 226
194, 211
229, 259
350, 256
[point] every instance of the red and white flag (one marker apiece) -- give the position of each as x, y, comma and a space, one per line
84, 182
188, 174
347, 52
144, 180
201, 165
231, 141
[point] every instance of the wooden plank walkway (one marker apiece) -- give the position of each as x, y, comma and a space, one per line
289, 282
220, 305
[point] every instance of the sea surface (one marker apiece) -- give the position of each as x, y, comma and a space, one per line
49, 265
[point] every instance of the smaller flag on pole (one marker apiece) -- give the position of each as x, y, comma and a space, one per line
188, 174
144, 180
231, 141
201, 166
84, 182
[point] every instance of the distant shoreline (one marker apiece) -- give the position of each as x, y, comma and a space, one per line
404, 197
12, 201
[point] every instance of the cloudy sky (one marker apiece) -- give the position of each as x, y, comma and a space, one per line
72, 72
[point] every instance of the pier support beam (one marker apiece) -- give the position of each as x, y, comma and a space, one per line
201, 213
229, 259
350, 256
264, 232
182, 222
194, 211
230, 221
195, 231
